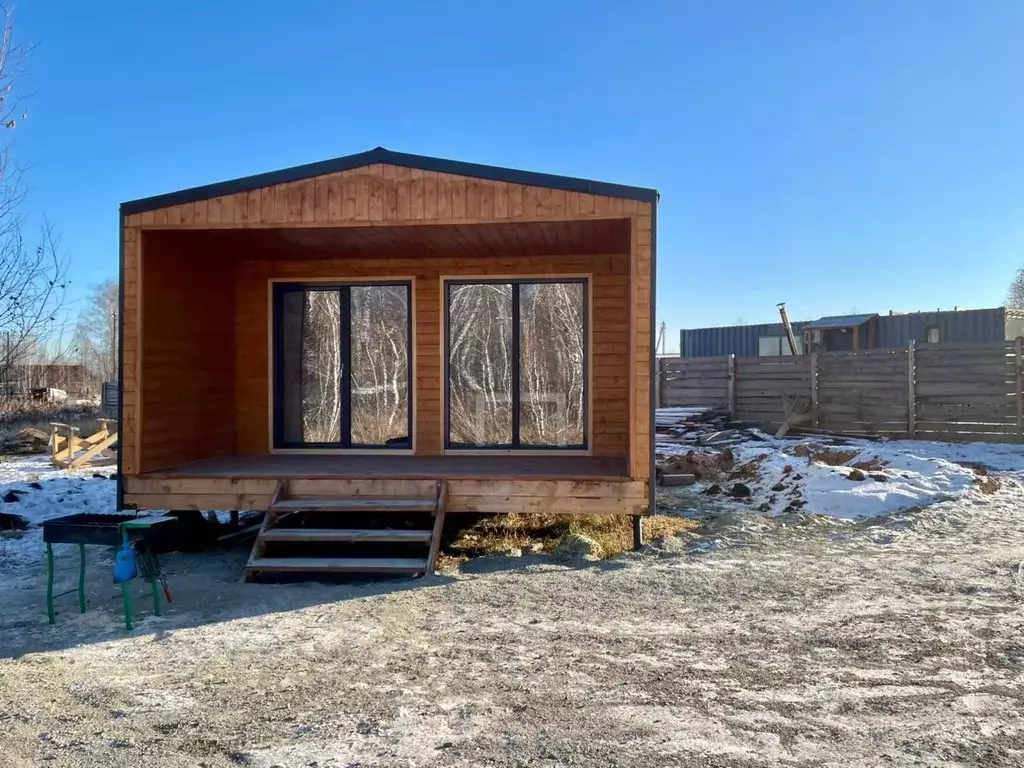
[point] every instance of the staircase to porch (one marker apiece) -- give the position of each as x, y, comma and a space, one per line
319, 531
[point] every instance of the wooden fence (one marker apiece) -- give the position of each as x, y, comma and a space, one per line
929, 391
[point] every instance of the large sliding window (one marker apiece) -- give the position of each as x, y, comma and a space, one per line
516, 364
341, 366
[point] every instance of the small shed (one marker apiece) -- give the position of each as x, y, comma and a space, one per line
839, 333
389, 326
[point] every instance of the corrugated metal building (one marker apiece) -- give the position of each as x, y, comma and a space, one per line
965, 326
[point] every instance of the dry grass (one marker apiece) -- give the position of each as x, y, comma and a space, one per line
497, 534
40, 415
704, 465
871, 465
987, 484
821, 454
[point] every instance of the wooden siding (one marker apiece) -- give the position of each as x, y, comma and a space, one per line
188, 325
384, 195
609, 336
587, 497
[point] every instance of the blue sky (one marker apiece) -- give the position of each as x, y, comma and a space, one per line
862, 155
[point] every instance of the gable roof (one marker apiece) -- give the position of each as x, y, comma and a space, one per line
386, 156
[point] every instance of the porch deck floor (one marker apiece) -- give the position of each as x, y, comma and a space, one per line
545, 467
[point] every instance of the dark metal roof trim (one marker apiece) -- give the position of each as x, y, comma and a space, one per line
381, 155
839, 321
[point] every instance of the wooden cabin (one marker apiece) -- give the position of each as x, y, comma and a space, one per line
386, 331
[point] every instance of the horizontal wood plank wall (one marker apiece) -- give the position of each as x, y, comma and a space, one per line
694, 380
953, 391
762, 383
491, 496
609, 335
864, 391
968, 392
187, 390
387, 194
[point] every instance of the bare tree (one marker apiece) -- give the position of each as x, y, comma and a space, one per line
313, 361
551, 363
480, 364
1015, 293
33, 285
321, 367
379, 358
551, 366
33, 279
96, 334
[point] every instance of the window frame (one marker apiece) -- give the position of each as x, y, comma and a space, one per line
278, 290
783, 345
777, 340
515, 446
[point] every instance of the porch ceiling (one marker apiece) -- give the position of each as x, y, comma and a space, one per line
601, 236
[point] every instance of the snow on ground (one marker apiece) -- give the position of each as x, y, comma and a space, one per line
902, 480
895, 641
894, 475
60, 492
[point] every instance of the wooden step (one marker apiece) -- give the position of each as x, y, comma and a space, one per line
354, 504
345, 534
339, 564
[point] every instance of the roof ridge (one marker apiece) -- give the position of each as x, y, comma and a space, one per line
389, 157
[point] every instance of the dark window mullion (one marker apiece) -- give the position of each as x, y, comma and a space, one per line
410, 374
585, 410
447, 364
345, 432
515, 365
278, 382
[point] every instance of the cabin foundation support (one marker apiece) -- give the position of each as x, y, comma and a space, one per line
638, 532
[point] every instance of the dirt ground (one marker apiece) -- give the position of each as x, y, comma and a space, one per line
800, 641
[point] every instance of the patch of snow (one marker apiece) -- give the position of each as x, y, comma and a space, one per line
910, 481
909, 474
60, 492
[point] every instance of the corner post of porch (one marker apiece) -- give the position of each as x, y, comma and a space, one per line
638, 532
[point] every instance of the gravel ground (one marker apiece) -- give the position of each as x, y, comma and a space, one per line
799, 641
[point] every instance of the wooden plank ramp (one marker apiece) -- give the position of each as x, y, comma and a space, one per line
319, 533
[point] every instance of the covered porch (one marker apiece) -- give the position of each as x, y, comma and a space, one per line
387, 325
